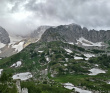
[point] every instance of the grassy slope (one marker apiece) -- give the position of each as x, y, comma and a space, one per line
81, 67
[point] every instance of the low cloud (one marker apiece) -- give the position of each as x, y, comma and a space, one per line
23, 16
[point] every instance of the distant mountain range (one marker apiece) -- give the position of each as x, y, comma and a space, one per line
73, 34
52, 59
11, 44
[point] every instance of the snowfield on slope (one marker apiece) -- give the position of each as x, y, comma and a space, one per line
2, 45
18, 47
88, 56
77, 58
23, 76
95, 71
71, 86
71, 43
68, 50
1, 71
40, 51
17, 64
85, 42
16, 43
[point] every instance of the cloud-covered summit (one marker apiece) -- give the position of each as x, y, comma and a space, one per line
22, 16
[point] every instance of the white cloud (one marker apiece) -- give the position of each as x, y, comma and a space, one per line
22, 16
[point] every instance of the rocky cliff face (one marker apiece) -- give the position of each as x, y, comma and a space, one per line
72, 32
4, 36
39, 31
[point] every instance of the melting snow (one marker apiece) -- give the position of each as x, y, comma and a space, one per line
40, 51
65, 65
68, 50
88, 56
76, 58
19, 46
2, 45
47, 58
108, 82
22, 76
88, 43
71, 43
68, 85
96, 65
96, 71
71, 86
17, 64
1, 71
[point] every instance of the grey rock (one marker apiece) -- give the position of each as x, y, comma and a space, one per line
72, 32
4, 36
39, 31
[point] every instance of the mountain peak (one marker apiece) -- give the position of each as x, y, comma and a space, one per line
4, 36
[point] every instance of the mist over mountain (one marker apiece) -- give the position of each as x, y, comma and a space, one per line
54, 46
72, 32
22, 17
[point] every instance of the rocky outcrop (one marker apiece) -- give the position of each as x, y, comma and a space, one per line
39, 31
13, 42
20, 90
4, 36
72, 32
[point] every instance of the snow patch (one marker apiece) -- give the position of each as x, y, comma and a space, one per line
2, 45
96, 65
18, 47
17, 64
68, 85
85, 42
108, 83
47, 58
95, 71
71, 86
1, 71
23, 76
71, 43
40, 51
68, 50
88, 56
77, 58
65, 65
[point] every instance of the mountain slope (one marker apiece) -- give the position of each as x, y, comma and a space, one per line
74, 33
57, 61
4, 36
61, 62
15, 44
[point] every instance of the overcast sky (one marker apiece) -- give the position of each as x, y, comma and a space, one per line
22, 16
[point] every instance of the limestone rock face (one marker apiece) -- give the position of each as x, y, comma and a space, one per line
39, 31
4, 36
72, 32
